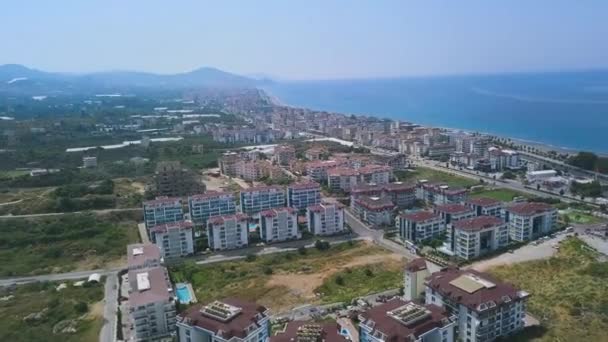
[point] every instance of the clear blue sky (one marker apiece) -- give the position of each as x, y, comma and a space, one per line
312, 39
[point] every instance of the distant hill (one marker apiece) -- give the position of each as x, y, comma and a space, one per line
15, 78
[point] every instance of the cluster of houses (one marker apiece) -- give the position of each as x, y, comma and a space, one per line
273, 210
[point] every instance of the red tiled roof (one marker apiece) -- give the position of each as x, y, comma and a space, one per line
321, 164
483, 201
396, 330
342, 171
366, 188
416, 265
305, 185
441, 282
263, 188
149, 252
420, 216
163, 228
478, 223
162, 200
275, 211
329, 332
159, 287
220, 219
399, 187
454, 208
531, 208
251, 313
375, 203
374, 168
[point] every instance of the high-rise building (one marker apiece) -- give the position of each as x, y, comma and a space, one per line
228, 231
211, 203
325, 219
485, 206
453, 212
529, 221
254, 200
302, 195
376, 211
175, 239
162, 210
279, 224
174, 180
420, 226
477, 236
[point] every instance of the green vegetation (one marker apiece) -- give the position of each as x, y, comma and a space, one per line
568, 293
592, 189
501, 194
589, 161
435, 177
63, 243
351, 283
38, 312
288, 279
580, 217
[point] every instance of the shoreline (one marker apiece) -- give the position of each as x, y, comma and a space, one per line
545, 147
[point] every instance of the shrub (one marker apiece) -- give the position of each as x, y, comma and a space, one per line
302, 250
322, 245
267, 270
369, 272
339, 280
250, 257
81, 307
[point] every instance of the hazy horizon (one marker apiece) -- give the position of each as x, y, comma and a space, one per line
312, 40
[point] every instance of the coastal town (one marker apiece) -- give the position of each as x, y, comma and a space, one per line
262, 222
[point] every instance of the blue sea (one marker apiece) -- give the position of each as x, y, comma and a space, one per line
566, 110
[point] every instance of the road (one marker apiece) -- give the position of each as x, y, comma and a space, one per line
101, 211
55, 277
108, 330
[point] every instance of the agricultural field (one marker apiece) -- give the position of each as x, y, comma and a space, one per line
38, 312
64, 243
285, 280
568, 294
434, 176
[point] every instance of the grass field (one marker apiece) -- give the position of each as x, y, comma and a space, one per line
569, 293
58, 310
580, 217
435, 177
504, 195
285, 280
64, 243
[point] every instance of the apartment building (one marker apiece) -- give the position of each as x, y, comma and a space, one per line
376, 211
211, 203
530, 220
399, 320
254, 200
485, 206
419, 226
89, 162
228, 231
416, 272
440, 194
317, 170
342, 179
228, 163
370, 190
172, 179
143, 255
302, 195
303, 331
284, 154
175, 239
279, 224
403, 195
162, 210
316, 153
377, 174
486, 307
453, 212
230, 319
473, 237
249, 170
325, 219
151, 303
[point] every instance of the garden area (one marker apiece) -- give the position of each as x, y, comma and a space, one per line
64, 243
568, 294
40, 312
284, 280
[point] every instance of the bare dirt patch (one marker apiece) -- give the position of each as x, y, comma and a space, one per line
96, 310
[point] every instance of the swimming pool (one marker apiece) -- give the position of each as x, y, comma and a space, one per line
183, 293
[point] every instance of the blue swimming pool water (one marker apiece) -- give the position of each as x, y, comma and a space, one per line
183, 294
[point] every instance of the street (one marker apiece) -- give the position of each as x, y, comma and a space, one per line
108, 330
55, 277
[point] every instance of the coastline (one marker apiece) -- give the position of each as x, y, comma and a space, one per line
545, 147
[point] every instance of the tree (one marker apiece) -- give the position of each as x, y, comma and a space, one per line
322, 245
339, 280
302, 250
584, 160
81, 307
250, 257
561, 192
537, 186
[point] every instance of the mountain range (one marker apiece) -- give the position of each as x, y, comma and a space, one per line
15, 78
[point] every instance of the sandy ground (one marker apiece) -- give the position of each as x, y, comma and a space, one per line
96, 310
303, 285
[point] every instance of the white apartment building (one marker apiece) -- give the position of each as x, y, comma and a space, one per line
325, 219
529, 221
485, 206
342, 179
175, 239
227, 232
376, 211
279, 224
419, 226
228, 320
302, 195
254, 200
485, 307
399, 320
211, 203
453, 212
477, 236
162, 210
151, 303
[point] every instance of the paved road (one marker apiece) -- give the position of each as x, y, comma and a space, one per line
102, 211
108, 330
55, 277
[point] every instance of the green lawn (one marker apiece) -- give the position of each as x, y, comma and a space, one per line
435, 177
284, 280
504, 195
351, 283
57, 308
63, 243
568, 293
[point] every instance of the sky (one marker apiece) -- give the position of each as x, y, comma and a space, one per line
309, 39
